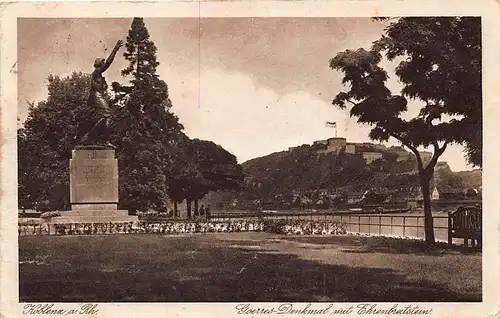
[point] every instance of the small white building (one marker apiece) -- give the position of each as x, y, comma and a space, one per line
435, 194
350, 148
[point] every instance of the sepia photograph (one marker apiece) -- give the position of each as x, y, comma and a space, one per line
181, 158
304, 161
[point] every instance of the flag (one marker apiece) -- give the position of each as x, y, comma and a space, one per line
331, 124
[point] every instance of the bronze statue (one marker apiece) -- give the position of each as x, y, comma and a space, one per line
98, 116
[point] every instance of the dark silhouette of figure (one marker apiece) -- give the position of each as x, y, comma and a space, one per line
99, 113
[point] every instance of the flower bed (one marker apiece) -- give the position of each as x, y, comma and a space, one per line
305, 227
273, 226
28, 221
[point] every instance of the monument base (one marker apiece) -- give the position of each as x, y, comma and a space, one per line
93, 188
94, 206
93, 216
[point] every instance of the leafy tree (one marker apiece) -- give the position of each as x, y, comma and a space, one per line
440, 65
45, 143
447, 181
184, 175
203, 167
146, 129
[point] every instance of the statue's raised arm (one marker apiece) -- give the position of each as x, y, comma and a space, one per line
111, 56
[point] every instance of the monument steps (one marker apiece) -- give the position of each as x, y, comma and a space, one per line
93, 216
85, 213
96, 219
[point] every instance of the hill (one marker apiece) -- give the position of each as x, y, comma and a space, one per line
473, 178
301, 173
284, 176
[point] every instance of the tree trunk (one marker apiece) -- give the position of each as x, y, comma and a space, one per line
188, 208
176, 211
425, 178
195, 207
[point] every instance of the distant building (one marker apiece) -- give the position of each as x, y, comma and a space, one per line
435, 194
350, 148
369, 157
403, 155
360, 147
333, 145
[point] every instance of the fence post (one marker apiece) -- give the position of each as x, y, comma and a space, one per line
391, 223
380, 224
418, 226
450, 239
404, 226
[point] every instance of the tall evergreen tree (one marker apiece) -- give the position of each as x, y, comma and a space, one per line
146, 127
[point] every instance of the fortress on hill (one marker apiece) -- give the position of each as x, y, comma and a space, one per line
368, 151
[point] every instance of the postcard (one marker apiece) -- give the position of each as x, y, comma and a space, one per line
253, 158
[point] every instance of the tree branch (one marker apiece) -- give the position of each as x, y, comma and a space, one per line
438, 151
350, 101
412, 148
443, 148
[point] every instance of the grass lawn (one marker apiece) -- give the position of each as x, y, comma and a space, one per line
243, 267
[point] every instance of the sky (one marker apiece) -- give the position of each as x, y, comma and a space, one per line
252, 85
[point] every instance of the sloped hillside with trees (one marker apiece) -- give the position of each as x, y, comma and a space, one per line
281, 176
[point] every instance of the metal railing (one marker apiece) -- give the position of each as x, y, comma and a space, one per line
375, 224
410, 224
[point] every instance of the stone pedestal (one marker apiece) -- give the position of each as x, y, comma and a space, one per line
93, 188
93, 180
